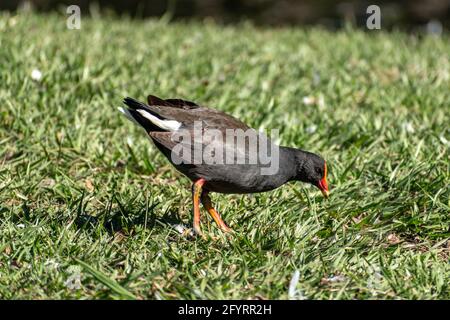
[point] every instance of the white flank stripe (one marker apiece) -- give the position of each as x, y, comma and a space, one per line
169, 125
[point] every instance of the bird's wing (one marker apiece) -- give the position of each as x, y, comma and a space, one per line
210, 144
210, 118
174, 114
174, 103
187, 112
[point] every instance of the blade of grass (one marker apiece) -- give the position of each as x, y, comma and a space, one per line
110, 283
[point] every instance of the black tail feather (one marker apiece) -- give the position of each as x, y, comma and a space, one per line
133, 105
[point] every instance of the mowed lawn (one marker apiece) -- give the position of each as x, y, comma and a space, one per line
89, 209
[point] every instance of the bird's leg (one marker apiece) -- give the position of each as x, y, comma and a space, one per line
206, 200
196, 193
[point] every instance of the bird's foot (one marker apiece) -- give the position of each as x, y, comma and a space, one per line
226, 228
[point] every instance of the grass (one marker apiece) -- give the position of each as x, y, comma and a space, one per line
89, 208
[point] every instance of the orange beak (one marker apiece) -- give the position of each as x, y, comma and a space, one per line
323, 185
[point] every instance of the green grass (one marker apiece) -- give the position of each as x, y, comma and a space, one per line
88, 207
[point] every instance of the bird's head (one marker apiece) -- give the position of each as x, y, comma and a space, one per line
313, 169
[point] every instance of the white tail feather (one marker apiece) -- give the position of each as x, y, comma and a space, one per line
169, 125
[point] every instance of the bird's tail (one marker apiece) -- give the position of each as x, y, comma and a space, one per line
137, 117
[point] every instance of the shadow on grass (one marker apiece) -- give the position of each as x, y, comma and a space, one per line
124, 218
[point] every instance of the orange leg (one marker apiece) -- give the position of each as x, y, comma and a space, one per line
206, 200
196, 193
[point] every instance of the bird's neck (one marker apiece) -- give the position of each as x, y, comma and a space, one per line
295, 158
290, 162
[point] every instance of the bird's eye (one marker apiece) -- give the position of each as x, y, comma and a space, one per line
318, 170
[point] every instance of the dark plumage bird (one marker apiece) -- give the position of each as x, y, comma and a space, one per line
163, 120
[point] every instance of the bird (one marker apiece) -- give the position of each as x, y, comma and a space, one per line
166, 121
